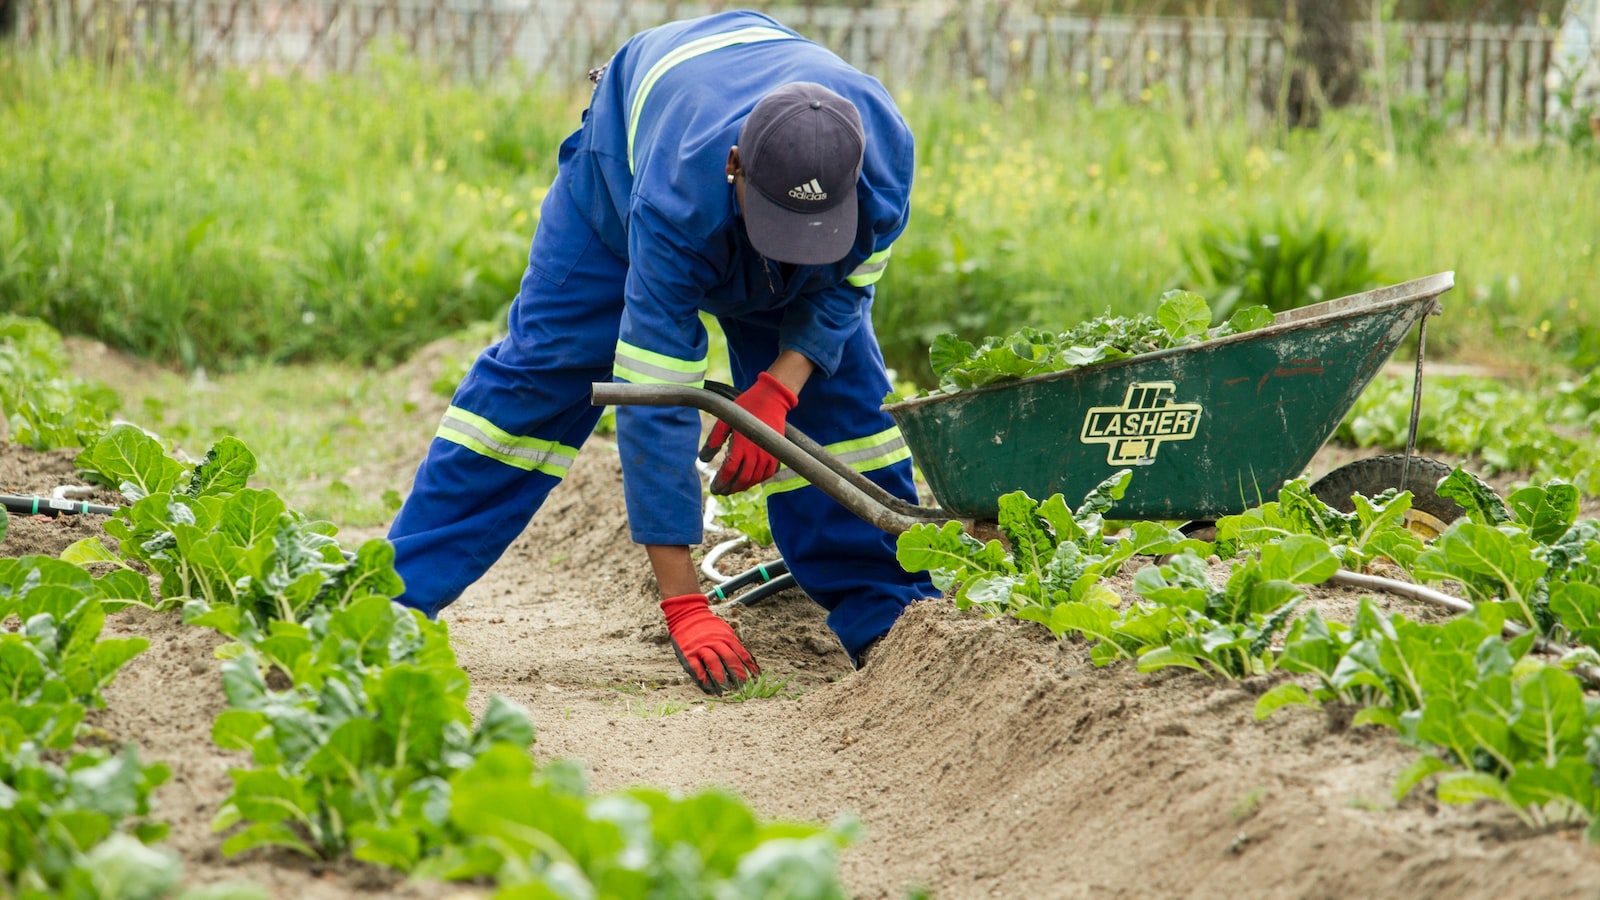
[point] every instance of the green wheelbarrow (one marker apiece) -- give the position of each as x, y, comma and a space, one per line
1208, 429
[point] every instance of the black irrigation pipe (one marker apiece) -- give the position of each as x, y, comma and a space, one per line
52, 506
757, 594
769, 579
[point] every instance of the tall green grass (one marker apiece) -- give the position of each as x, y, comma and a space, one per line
261, 219
266, 219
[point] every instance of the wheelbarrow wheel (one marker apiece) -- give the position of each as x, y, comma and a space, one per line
1430, 514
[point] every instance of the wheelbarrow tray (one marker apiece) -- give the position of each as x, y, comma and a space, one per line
1207, 429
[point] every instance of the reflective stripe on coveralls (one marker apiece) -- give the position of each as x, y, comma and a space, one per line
527, 453
467, 505
690, 51
870, 270
863, 454
640, 366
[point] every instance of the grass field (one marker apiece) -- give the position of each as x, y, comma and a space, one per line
251, 219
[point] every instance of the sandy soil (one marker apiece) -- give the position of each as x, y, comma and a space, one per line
985, 759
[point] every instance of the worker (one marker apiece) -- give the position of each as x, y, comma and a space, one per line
725, 165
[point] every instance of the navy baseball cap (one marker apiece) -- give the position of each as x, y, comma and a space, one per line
801, 151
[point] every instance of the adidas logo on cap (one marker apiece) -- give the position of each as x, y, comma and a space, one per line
811, 191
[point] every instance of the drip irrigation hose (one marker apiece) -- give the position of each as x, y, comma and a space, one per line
709, 564
1440, 599
755, 595
1400, 588
52, 506
760, 575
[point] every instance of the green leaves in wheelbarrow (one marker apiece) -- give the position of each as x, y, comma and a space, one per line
1184, 314
1182, 317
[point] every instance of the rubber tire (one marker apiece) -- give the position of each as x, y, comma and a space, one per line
1376, 474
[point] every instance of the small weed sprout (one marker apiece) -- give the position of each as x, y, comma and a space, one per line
658, 710
760, 688
1248, 805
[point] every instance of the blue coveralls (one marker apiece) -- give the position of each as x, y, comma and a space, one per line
640, 233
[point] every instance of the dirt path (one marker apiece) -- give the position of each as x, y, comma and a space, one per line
984, 759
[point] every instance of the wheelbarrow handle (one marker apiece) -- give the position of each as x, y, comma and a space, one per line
807, 458
820, 453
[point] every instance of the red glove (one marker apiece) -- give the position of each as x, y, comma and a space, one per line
747, 465
705, 645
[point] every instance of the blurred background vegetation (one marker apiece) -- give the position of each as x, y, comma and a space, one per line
223, 217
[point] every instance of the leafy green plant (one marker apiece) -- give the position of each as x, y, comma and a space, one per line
1521, 551
54, 667
1290, 257
1053, 568
746, 513
1056, 554
538, 832
1495, 723
1375, 529
1229, 630
76, 827
357, 753
74, 819
44, 405
1315, 646
209, 536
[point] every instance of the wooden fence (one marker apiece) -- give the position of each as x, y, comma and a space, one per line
1489, 79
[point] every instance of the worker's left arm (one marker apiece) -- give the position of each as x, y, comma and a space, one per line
811, 337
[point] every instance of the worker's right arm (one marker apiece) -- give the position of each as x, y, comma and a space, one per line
662, 341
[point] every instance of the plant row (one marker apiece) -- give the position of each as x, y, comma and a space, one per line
354, 715
42, 405
76, 812
1551, 433
363, 744
77, 809
1492, 721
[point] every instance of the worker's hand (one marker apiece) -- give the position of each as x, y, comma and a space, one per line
705, 645
747, 465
